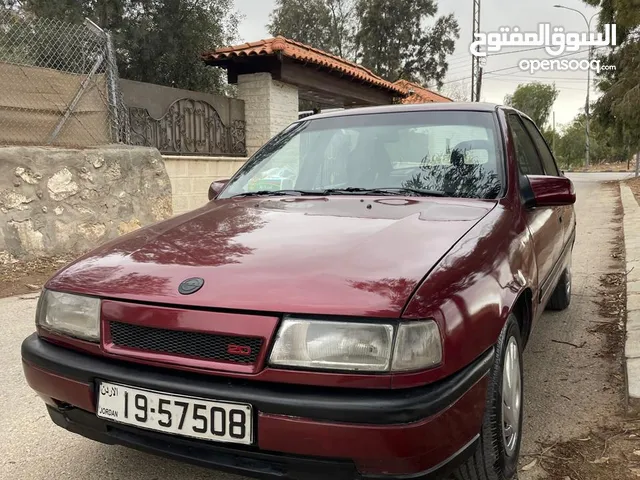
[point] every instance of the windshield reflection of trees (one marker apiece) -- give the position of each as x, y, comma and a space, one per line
467, 281
476, 261
200, 241
210, 239
463, 180
395, 290
91, 273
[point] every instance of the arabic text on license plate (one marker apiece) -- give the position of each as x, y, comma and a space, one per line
176, 414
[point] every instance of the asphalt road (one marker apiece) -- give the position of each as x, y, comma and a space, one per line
567, 390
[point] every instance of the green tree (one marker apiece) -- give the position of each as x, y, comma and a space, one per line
393, 40
619, 106
157, 41
605, 147
391, 37
165, 39
458, 91
342, 26
534, 99
324, 24
570, 144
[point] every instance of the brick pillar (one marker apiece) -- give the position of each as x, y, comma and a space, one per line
269, 107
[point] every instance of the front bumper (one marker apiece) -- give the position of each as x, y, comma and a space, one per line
301, 431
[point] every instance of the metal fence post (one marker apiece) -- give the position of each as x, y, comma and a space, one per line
69, 110
59, 83
112, 86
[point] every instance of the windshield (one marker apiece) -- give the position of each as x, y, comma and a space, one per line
446, 153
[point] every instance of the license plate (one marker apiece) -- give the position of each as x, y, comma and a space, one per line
176, 414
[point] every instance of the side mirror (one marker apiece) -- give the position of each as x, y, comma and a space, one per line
216, 187
551, 191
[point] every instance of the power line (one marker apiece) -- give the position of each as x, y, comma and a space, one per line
524, 50
533, 76
517, 51
461, 66
509, 68
460, 60
511, 79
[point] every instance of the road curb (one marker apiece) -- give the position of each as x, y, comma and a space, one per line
631, 220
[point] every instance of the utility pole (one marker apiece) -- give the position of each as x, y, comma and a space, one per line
586, 106
476, 69
586, 110
553, 139
479, 84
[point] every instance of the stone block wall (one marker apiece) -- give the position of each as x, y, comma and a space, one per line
284, 106
270, 106
60, 201
191, 177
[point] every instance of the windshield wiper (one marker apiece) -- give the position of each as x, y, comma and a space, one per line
385, 191
265, 193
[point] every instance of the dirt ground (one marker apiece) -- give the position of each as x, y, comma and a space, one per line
605, 167
24, 277
610, 451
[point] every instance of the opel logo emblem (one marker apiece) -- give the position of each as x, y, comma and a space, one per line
191, 285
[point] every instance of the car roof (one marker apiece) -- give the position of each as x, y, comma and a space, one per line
421, 107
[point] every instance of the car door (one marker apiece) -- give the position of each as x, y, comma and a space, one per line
550, 166
545, 223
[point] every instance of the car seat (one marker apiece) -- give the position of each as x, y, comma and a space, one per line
369, 165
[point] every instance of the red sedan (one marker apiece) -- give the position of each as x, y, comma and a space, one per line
352, 304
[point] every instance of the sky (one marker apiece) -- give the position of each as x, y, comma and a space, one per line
525, 14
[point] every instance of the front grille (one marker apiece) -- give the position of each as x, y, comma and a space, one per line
192, 344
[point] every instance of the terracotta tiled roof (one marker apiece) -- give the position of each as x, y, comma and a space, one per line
303, 53
420, 94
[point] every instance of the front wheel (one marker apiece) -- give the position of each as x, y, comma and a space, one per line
496, 454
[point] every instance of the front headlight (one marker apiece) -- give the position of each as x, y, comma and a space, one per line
67, 314
316, 344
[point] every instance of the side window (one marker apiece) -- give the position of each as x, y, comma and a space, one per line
545, 154
527, 156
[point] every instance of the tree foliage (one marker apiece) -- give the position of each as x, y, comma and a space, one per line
604, 147
157, 41
391, 37
458, 91
535, 99
619, 106
393, 41
324, 24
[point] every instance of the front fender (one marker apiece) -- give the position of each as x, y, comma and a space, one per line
472, 290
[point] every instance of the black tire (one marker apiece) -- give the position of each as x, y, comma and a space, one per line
491, 460
561, 296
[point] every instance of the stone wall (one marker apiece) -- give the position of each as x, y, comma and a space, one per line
191, 177
55, 201
270, 107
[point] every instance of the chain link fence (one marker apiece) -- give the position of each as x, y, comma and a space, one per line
58, 84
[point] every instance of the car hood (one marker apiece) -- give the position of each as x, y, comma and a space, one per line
315, 255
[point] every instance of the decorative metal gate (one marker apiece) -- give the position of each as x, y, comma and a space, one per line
189, 127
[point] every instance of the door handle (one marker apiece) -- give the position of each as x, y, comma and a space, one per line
560, 218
